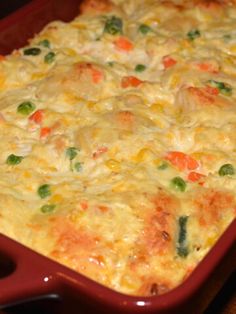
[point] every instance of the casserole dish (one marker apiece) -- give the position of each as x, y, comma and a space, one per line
65, 283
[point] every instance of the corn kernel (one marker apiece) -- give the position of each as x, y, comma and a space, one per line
158, 107
144, 154
233, 48
79, 26
229, 61
211, 240
56, 198
90, 105
151, 21
113, 165
198, 155
70, 52
27, 174
174, 81
158, 162
2, 80
37, 76
186, 44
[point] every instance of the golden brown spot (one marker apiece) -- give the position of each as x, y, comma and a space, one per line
211, 205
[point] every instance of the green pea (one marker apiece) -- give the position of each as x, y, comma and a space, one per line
45, 43
14, 160
25, 108
223, 88
163, 166
144, 29
44, 191
227, 37
78, 166
178, 184
226, 170
50, 57
111, 63
47, 208
113, 25
32, 51
140, 68
71, 152
193, 34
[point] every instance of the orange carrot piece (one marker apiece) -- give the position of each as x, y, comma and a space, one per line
208, 67
97, 75
99, 152
44, 132
37, 116
201, 96
2, 58
89, 69
168, 62
182, 161
124, 44
125, 117
103, 208
212, 90
195, 176
84, 205
130, 81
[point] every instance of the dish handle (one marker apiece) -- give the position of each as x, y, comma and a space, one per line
23, 274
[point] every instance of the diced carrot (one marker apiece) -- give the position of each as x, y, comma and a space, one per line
97, 76
125, 117
103, 208
182, 161
211, 90
84, 205
210, 67
200, 96
168, 62
124, 44
2, 58
89, 69
44, 132
37, 116
130, 81
99, 152
195, 176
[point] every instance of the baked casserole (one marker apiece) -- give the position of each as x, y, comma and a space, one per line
118, 142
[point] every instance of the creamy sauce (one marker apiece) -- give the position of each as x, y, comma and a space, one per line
118, 132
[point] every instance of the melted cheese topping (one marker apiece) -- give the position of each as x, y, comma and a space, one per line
118, 135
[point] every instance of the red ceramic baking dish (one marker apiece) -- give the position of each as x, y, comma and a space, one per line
26, 275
